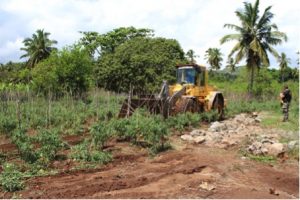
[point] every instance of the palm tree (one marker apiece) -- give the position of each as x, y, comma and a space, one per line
190, 54
255, 36
231, 64
214, 58
283, 64
38, 47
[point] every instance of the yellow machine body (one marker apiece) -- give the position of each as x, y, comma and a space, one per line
197, 87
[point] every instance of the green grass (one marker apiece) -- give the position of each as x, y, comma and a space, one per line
263, 159
274, 120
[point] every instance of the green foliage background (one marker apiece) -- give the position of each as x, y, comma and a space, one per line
67, 70
141, 62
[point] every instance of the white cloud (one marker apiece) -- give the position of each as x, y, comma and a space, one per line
11, 47
196, 24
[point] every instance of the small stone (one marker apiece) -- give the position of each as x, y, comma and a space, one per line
199, 139
257, 119
240, 118
207, 186
255, 148
195, 132
276, 149
264, 151
217, 127
187, 137
250, 121
292, 144
267, 141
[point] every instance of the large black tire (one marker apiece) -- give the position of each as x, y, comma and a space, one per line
185, 105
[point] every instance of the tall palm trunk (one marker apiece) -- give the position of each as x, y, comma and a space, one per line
252, 65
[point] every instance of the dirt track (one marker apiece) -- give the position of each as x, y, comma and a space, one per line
177, 173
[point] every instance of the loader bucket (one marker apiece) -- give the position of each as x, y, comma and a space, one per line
130, 105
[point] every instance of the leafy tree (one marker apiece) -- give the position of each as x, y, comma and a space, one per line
190, 55
140, 62
214, 58
91, 41
68, 70
38, 47
287, 74
231, 64
283, 64
13, 72
108, 42
255, 36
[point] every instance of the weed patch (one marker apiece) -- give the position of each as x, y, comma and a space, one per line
11, 178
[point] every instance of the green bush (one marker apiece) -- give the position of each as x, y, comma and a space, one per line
184, 120
2, 158
209, 116
119, 127
100, 133
85, 152
50, 143
142, 128
24, 145
100, 157
65, 70
7, 124
11, 178
156, 134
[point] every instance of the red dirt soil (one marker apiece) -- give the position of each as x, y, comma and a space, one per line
177, 173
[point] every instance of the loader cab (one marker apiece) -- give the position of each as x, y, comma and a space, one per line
191, 74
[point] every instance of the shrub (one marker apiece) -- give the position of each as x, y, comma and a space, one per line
7, 125
119, 127
11, 178
50, 143
100, 134
23, 143
84, 152
138, 125
2, 158
65, 70
178, 122
184, 120
209, 116
100, 157
156, 134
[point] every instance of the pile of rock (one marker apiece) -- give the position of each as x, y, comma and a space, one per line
241, 128
223, 134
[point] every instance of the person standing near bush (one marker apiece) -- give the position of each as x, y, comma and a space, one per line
286, 98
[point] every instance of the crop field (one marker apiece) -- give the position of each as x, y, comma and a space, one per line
52, 146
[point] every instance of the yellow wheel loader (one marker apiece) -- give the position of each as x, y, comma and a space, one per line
191, 93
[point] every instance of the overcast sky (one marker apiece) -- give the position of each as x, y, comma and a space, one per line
196, 24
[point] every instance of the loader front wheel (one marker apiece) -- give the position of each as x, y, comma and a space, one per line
186, 105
